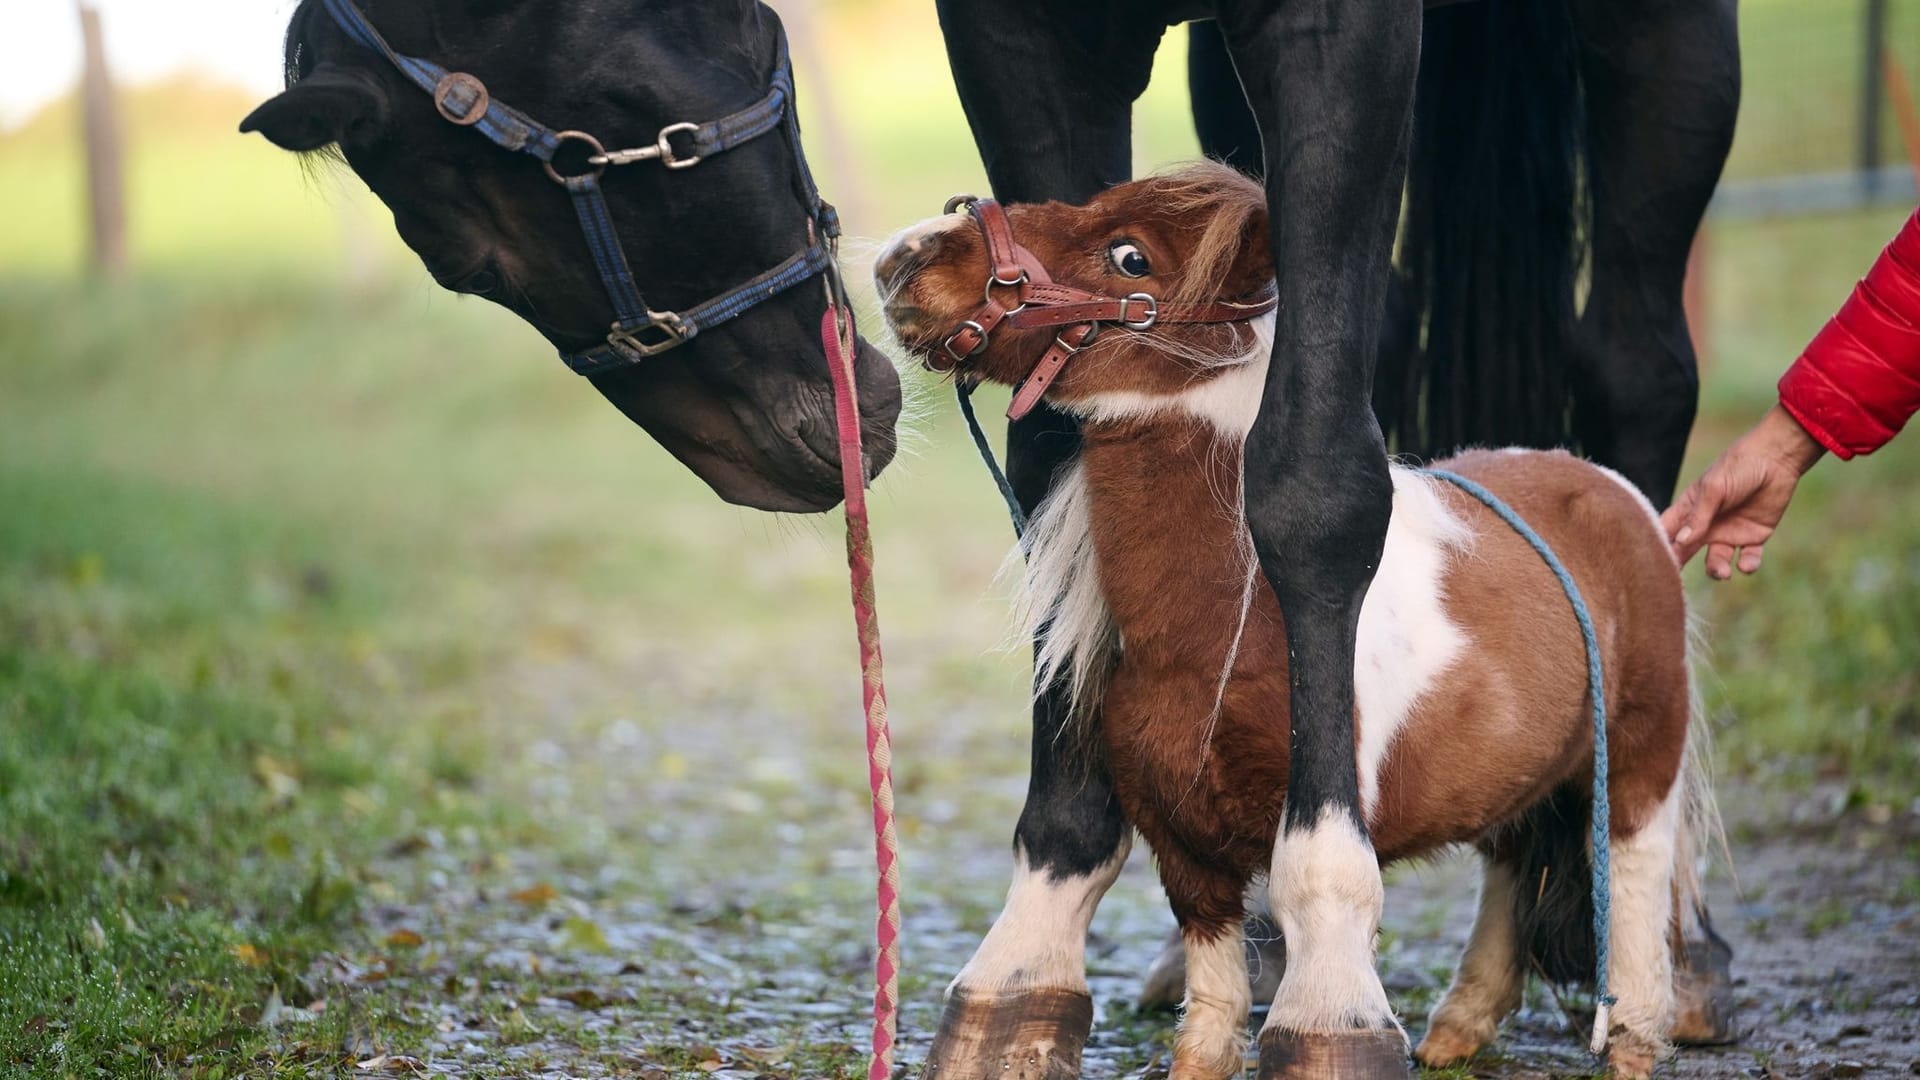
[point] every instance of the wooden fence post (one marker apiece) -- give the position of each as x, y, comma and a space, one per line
106, 185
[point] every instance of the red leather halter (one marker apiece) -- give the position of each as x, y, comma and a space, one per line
1039, 301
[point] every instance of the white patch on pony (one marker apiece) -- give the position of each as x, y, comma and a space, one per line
1226, 395
1212, 1041
1640, 967
1405, 640
1040, 939
1326, 894
1487, 984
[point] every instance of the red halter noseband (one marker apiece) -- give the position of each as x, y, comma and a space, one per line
1042, 302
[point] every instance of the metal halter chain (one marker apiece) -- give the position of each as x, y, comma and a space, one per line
639, 331
1602, 863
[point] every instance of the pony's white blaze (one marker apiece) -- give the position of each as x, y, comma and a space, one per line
1406, 640
1326, 893
911, 237
1213, 1023
1040, 939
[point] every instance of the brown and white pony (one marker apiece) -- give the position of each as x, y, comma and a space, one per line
1470, 674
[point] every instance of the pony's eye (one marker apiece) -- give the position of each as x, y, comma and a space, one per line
1128, 259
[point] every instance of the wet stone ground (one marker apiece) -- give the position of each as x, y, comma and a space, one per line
689, 908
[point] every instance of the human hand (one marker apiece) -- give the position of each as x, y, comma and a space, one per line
1734, 507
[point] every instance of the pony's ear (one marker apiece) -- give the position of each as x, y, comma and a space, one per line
326, 107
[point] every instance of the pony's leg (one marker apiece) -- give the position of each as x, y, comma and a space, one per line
1702, 973
1486, 987
1332, 88
1662, 86
1640, 923
1212, 1040
1165, 984
1221, 116
1052, 122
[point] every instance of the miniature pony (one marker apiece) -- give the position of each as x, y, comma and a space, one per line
1470, 674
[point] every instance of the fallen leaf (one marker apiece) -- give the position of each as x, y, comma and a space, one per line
405, 939
535, 894
250, 955
673, 766
276, 777
584, 934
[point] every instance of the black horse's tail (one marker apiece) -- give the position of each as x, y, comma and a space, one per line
1553, 894
1476, 350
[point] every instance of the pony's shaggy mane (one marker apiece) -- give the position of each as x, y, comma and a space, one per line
1228, 202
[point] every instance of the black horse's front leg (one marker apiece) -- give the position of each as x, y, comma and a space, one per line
1048, 87
1332, 87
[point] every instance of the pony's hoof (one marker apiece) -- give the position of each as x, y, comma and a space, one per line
1444, 1045
1378, 1054
1165, 987
1703, 992
1630, 1059
1035, 1035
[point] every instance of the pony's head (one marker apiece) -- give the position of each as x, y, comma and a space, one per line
1193, 240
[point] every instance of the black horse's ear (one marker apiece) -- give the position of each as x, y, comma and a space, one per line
326, 107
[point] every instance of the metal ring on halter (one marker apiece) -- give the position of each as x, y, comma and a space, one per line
1153, 312
986, 292
1071, 349
593, 144
947, 345
959, 202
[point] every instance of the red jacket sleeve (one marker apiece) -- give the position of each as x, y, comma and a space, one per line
1859, 379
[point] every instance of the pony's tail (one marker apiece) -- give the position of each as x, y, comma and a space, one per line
1476, 348
1553, 866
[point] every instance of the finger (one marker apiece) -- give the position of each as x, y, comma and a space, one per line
1719, 561
1701, 503
1750, 559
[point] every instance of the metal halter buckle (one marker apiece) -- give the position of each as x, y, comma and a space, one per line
1153, 312
443, 92
947, 345
663, 330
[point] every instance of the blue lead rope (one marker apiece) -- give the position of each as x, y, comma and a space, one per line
1596, 693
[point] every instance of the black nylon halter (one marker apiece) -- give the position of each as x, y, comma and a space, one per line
639, 331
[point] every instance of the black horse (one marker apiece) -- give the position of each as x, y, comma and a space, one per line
1531, 140
747, 405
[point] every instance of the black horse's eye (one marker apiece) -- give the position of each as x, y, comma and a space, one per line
480, 282
1128, 259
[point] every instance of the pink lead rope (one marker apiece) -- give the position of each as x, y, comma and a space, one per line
836, 333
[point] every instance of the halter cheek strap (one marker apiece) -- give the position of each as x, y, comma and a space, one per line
638, 331
1041, 302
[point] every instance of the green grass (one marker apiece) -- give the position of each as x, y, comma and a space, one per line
284, 531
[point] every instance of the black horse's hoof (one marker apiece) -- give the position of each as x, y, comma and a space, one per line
1035, 1035
1379, 1054
1703, 995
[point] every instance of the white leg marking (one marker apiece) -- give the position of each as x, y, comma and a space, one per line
1406, 641
1212, 1042
1641, 966
1040, 939
1327, 896
1486, 987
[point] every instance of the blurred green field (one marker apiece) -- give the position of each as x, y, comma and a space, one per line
281, 526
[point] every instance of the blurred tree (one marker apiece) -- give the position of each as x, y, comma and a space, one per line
106, 186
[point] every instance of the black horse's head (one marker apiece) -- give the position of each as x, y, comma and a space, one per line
747, 405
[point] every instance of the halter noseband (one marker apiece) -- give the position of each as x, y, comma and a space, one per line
639, 331
1039, 301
